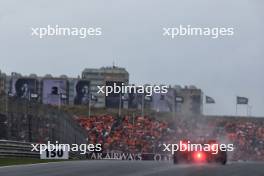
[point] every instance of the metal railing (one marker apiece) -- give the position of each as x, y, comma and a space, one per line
16, 149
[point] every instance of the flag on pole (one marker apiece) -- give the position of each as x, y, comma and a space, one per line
93, 97
179, 99
209, 100
242, 100
10, 94
34, 95
148, 98
125, 97
63, 96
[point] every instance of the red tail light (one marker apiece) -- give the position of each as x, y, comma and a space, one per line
199, 156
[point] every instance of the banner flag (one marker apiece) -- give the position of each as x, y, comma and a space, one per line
209, 100
242, 100
179, 99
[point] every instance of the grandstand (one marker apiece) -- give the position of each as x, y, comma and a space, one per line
146, 135
64, 90
64, 115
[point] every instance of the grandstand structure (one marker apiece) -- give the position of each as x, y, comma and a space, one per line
29, 114
101, 76
64, 90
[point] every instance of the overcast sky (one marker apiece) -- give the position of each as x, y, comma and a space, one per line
132, 38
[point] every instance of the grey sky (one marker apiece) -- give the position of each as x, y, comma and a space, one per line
132, 37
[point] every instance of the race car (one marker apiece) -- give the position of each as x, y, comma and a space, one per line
208, 152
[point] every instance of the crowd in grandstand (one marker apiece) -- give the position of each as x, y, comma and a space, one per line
139, 134
246, 134
146, 135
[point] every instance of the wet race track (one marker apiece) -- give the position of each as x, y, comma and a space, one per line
132, 168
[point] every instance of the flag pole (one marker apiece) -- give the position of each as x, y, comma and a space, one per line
142, 105
247, 110
89, 106
7, 114
236, 109
119, 107
204, 104
236, 105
